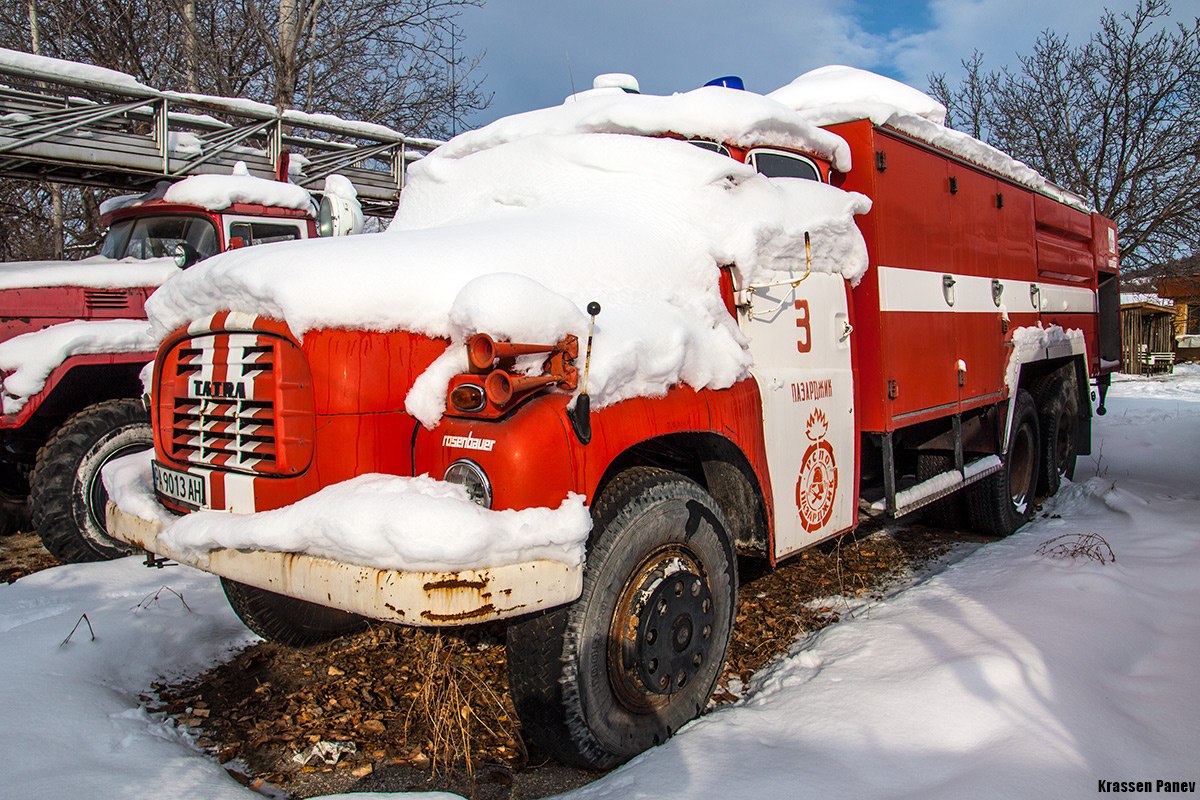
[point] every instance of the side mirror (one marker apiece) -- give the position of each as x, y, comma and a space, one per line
185, 255
339, 216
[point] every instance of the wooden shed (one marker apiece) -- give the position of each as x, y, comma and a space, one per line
1147, 338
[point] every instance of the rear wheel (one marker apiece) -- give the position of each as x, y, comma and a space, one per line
1059, 422
638, 654
949, 512
67, 498
287, 620
1003, 501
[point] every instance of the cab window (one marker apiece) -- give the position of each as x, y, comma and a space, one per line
777, 164
156, 237
716, 147
263, 232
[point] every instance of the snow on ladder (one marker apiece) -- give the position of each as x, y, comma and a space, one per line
75, 123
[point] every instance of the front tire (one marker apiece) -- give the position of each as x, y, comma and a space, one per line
288, 620
67, 498
1003, 501
638, 654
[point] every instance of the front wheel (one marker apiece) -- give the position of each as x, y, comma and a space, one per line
288, 620
67, 498
638, 654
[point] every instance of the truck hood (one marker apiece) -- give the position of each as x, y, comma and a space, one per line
96, 272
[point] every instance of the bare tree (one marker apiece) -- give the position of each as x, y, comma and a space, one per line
399, 63
1113, 119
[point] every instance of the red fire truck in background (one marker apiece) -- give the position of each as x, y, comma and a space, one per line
91, 408
955, 373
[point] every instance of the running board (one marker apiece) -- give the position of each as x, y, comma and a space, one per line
940, 485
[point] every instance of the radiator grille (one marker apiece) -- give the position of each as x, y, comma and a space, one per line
224, 411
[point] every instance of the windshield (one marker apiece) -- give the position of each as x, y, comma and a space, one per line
156, 237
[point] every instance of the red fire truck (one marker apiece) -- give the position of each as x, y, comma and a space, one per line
90, 409
956, 372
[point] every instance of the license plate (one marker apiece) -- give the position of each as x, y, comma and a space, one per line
181, 487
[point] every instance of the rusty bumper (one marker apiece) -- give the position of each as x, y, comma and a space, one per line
410, 598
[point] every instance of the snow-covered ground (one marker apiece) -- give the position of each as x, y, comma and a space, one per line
1008, 674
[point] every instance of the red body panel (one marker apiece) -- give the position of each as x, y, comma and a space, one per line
934, 213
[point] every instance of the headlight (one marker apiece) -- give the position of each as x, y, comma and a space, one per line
470, 476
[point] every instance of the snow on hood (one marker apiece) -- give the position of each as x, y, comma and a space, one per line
830, 95
218, 192
96, 272
512, 232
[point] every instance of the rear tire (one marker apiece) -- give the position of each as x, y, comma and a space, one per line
1004, 501
287, 620
1058, 418
950, 512
67, 499
638, 654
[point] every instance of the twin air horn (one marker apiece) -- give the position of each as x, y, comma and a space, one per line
504, 383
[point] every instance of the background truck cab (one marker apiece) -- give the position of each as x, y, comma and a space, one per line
74, 340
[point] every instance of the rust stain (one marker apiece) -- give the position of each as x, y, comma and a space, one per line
397, 611
455, 583
478, 613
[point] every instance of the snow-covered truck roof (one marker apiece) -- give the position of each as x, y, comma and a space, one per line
219, 192
834, 94
513, 229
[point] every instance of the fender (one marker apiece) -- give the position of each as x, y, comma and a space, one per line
60, 373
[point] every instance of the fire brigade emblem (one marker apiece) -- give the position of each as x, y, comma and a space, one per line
818, 476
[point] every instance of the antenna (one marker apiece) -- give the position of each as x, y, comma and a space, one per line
569, 75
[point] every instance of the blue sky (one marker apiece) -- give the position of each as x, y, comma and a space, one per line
673, 45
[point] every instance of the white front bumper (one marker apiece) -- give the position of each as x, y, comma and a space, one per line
410, 598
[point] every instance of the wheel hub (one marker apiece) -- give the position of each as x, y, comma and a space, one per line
673, 632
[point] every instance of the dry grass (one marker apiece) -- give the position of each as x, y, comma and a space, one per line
452, 703
1088, 546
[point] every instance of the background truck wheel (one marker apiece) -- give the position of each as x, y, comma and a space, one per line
638, 654
1058, 418
67, 498
286, 620
14, 500
1003, 501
